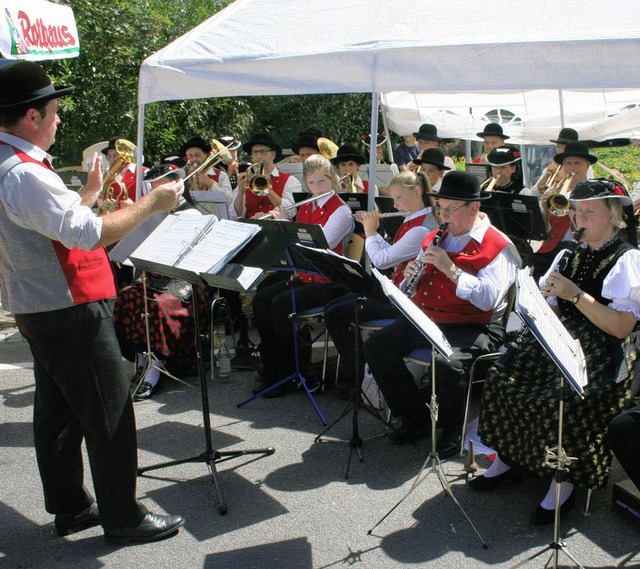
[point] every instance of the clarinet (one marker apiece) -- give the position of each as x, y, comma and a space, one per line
413, 281
561, 265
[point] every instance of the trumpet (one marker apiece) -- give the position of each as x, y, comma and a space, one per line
259, 183
558, 203
490, 183
415, 279
348, 185
113, 190
218, 153
270, 215
550, 181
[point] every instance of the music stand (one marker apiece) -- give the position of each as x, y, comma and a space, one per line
567, 354
389, 225
356, 202
350, 274
516, 215
440, 344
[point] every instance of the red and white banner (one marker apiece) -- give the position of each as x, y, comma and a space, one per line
37, 30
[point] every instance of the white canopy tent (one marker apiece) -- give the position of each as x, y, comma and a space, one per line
288, 47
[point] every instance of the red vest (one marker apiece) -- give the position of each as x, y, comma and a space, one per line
365, 185
436, 293
397, 276
559, 226
255, 204
319, 216
88, 274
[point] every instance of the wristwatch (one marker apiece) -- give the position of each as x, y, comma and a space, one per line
577, 297
456, 275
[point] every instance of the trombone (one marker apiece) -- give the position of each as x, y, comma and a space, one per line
113, 190
218, 153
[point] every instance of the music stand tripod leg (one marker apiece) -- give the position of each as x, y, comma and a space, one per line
432, 464
209, 456
355, 442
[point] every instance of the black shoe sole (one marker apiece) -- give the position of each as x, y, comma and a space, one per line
64, 531
127, 539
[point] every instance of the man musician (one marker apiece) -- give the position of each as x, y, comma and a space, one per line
196, 151
464, 290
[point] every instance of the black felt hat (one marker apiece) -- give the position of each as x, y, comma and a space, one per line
348, 152
313, 130
427, 132
565, 136
111, 145
306, 141
263, 138
492, 129
432, 156
26, 83
503, 155
576, 148
195, 142
599, 189
462, 187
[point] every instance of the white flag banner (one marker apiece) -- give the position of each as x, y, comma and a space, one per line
37, 30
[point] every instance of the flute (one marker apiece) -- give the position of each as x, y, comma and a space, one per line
383, 215
297, 205
413, 281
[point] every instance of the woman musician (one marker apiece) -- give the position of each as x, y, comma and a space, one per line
272, 303
597, 296
408, 191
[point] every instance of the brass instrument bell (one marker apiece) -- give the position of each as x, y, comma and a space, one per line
259, 183
113, 190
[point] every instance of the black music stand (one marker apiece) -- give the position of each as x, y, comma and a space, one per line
438, 344
389, 225
312, 235
356, 202
350, 274
516, 215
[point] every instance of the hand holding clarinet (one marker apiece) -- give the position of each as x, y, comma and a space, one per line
433, 255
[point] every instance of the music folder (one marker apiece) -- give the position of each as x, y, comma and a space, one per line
516, 214
537, 315
192, 247
211, 202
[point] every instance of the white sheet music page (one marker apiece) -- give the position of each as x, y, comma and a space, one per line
532, 307
419, 319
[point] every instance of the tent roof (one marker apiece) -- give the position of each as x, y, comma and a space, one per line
285, 47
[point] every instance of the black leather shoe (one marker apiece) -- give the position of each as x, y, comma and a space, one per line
72, 523
448, 446
540, 516
144, 391
153, 527
411, 430
482, 483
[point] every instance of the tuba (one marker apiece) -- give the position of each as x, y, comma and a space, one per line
113, 190
328, 148
259, 183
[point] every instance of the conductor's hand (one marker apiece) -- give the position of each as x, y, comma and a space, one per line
560, 286
92, 188
166, 196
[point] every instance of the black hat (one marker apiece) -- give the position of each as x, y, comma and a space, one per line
348, 152
306, 141
380, 139
263, 138
231, 142
599, 189
162, 171
172, 159
195, 142
313, 131
111, 145
503, 155
26, 83
576, 148
432, 156
565, 136
492, 129
462, 187
427, 132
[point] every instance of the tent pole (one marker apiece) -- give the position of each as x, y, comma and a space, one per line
388, 144
375, 98
139, 155
561, 102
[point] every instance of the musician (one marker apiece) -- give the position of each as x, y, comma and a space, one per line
409, 193
406, 151
272, 303
575, 160
263, 148
348, 160
597, 298
231, 166
170, 309
427, 137
127, 176
492, 137
463, 289
432, 163
196, 151
306, 146
56, 280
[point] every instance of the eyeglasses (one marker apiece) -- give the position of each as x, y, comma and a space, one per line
449, 210
256, 151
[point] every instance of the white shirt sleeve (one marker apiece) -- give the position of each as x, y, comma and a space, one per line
385, 255
622, 284
339, 226
224, 185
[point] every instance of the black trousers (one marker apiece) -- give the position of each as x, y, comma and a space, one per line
82, 392
624, 439
340, 315
384, 352
272, 306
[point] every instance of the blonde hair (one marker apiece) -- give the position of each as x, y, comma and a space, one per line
318, 163
410, 180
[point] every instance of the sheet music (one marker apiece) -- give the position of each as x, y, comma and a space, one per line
420, 320
550, 332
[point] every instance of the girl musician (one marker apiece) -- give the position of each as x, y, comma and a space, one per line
272, 303
348, 160
171, 329
408, 191
597, 296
